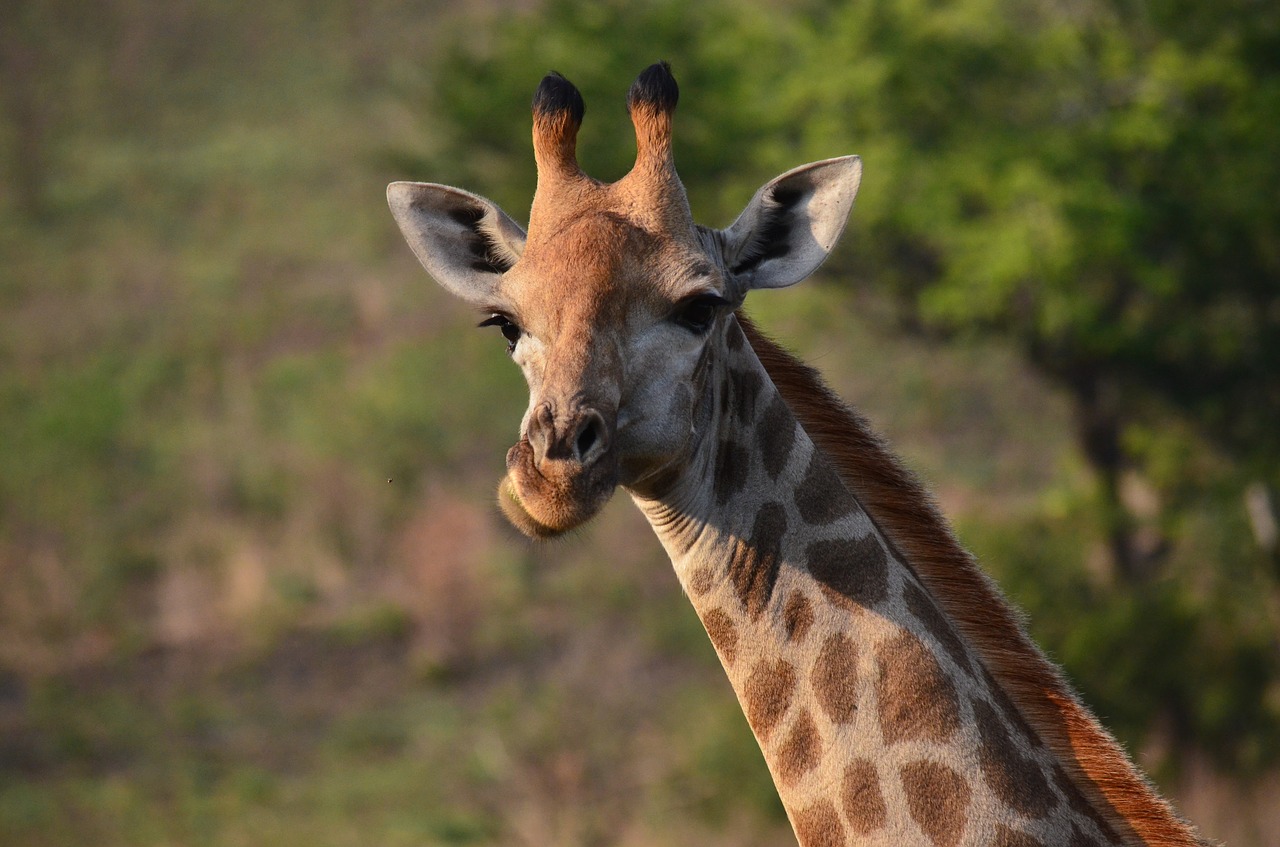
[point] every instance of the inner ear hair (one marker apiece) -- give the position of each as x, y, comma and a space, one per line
482, 235
770, 239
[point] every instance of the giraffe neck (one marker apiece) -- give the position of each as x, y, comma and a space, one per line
879, 722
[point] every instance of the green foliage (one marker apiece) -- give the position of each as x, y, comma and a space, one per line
1097, 186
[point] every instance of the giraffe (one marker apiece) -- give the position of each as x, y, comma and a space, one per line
892, 689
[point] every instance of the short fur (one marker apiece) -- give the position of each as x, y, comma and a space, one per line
651, 103
558, 110
908, 518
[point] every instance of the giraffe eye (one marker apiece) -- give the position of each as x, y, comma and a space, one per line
698, 312
509, 329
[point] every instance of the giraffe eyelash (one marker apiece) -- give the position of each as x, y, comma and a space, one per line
510, 329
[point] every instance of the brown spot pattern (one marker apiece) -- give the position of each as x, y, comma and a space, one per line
1007, 837
1075, 799
822, 497
802, 750
921, 605
732, 464
860, 795
754, 564
723, 632
916, 697
835, 678
746, 391
797, 617
768, 692
819, 826
938, 799
1015, 778
776, 436
854, 573
701, 580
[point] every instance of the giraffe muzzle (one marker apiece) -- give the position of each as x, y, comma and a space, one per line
561, 473
582, 438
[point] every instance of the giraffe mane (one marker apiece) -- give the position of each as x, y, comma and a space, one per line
911, 522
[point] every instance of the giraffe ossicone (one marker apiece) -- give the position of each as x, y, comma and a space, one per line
892, 689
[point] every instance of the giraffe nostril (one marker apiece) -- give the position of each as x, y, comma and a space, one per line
588, 437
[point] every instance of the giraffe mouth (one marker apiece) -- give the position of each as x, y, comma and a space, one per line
547, 499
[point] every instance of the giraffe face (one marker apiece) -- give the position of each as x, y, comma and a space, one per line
610, 324
612, 301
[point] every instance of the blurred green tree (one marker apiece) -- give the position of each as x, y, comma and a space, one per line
1097, 184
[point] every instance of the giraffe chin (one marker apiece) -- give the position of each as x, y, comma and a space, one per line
542, 508
515, 512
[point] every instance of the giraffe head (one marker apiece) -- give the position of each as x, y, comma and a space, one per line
614, 302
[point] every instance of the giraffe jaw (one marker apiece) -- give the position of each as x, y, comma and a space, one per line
515, 512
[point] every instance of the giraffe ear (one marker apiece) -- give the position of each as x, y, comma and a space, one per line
463, 240
792, 223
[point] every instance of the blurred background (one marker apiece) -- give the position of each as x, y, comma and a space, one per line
253, 589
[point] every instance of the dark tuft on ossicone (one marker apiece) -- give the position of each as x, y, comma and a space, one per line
655, 88
556, 95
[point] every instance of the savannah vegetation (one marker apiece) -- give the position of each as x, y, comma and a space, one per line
252, 586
